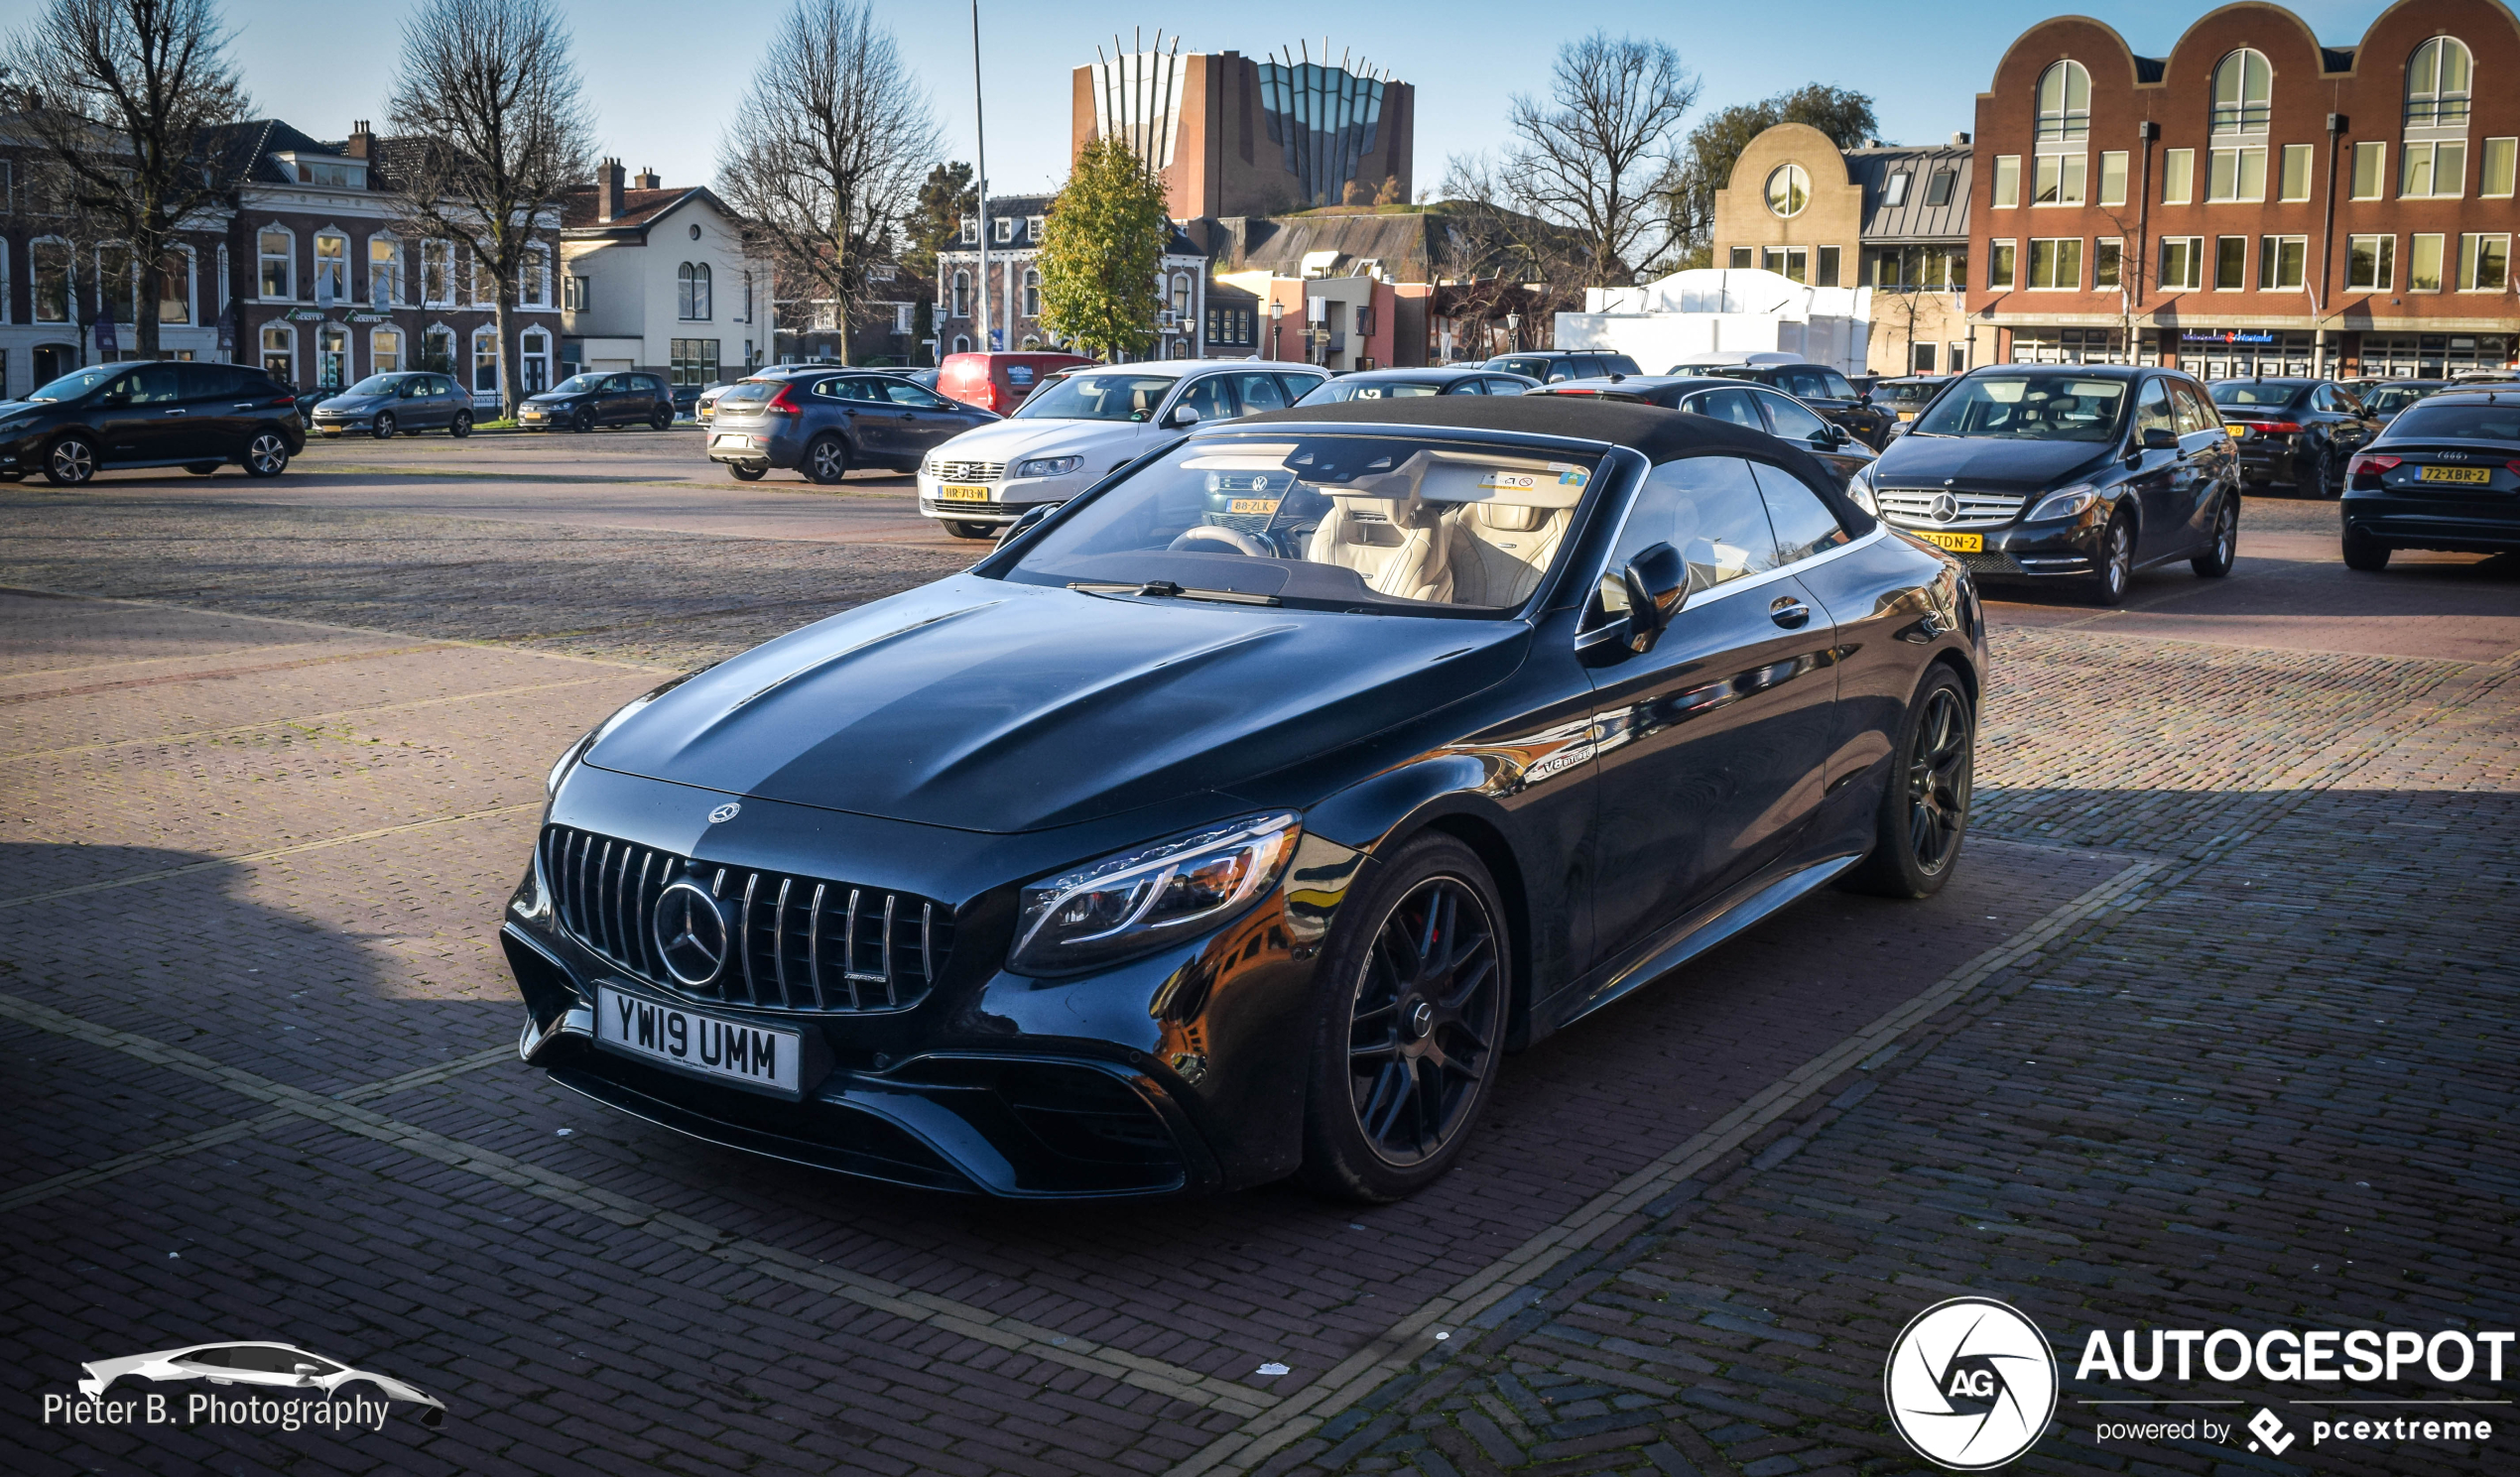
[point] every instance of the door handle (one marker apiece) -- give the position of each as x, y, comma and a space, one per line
1788, 612
175, 411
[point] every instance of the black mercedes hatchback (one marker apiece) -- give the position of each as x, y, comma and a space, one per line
196, 416
2079, 474
2445, 475
1234, 819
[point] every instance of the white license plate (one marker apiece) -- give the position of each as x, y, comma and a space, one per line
734, 1051
961, 492
738, 442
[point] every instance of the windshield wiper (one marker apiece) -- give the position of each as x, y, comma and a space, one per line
1167, 589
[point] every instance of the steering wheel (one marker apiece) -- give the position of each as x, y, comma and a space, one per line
1233, 538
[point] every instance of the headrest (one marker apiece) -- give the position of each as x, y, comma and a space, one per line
1405, 513
1515, 517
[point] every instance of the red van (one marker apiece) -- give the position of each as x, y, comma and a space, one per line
999, 382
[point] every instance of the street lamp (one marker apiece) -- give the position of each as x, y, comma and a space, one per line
1277, 311
1514, 330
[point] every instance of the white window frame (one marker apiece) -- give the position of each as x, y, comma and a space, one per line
394, 294
2415, 257
961, 304
2217, 264
2072, 183
2098, 243
5, 299
2065, 122
2012, 279
2193, 280
2469, 246
2379, 172
2029, 267
1033, 226
473, 362
534, 278
262, 257
1005, 231
455, 348
2270, 259
2246, 119
191, 295
1032, 292
131, 283
2007, 171
262, 346
2179, 166
70, 282
2308, 156
2431, 152
2435, 100
334, 331
314, 281
441, 253
2119, 156
1894, 191
402, 348
2228, 175
2509, 151
2383, 261
526, 354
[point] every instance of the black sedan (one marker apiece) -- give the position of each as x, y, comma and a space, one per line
1162, 851
1754, 405
2445, 475
386, 405
196, 415
2082, 474
1406, 384
614, 397
2300, 432
1825, 391
2388, 398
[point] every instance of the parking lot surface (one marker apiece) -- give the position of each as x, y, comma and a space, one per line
2218, 1024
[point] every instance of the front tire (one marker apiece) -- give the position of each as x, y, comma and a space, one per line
2115, 571
826, 461
2216, 561
72, 462
585, 421
1411, 1006
1923, 814
2365, 552
267, 454
384, 428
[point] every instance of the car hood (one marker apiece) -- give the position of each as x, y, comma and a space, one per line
570, 399
985, 705
1914, 460
1006, 441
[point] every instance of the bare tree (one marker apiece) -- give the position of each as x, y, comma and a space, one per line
494, 132
829, 149
1589, 156
124, 101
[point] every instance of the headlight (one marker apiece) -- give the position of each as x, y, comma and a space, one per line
17, 427
1049, 466
570, 756
2066, 503
1139, 901
1860, 488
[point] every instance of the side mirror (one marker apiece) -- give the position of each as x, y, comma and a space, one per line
1838, 435
1183, 416
1637, 605
1030, 519
2158, 439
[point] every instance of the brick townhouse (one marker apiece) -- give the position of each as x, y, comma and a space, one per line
1015, 226
2255, 200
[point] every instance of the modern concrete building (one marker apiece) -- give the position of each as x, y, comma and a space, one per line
662, 280
2255, 200
1236, 135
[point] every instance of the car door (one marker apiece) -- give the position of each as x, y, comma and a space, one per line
853, 406
1714, 742
1257, 392
131, 419
211, 424
2172, 523
927, 420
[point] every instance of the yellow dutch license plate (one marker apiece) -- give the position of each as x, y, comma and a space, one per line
1955, 543
1907, 414
2453, 475
1263, 506
957, 492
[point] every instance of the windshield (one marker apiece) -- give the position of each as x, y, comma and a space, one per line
577, 384
2024, 408
73, 385
2275, 393
2391, 399
1903, 395
1333, 391
2495, 420
378, 383
1378, 525
1098, 397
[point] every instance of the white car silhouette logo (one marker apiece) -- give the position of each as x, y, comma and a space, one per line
283, 1365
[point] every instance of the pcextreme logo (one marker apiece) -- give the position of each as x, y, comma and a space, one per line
1970, 1384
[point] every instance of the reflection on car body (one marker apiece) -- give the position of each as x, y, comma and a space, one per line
1234, 819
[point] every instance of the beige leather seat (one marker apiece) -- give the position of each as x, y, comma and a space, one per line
1500, 550
1399, 546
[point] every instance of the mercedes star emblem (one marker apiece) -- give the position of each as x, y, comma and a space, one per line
725, 812
691, 933
1944, 508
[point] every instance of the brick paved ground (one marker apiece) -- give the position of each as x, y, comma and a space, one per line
256, 1032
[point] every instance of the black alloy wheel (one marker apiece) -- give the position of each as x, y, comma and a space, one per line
1923, 814
663, 419
384, 428
267, 454
461, 425
826, 460
72, 462
2114, 570
743, 473
2216, 562
1411, 1028
2365, 552
585, 419
2316, 480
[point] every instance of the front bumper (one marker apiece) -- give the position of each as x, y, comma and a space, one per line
335, 424
2052, 548
1009, 497
1180, 1073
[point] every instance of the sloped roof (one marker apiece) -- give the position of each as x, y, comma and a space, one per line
1912, 219
640, 210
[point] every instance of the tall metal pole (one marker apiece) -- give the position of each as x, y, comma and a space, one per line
980, 181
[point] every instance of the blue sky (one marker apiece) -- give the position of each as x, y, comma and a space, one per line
665, 77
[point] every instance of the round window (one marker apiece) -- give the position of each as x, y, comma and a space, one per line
695, 231
1789, 189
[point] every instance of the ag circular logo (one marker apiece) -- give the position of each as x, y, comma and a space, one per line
691, 933
1971, 1384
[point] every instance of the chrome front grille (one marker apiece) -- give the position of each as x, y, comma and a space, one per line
966, 471
1913, 506
806, 943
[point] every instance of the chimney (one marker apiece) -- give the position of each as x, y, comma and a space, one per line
1960, 141
362, 144
607, 189
647, 179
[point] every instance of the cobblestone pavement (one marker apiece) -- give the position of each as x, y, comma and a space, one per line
2216, 1028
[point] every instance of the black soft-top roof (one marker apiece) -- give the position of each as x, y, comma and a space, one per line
1660, 435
